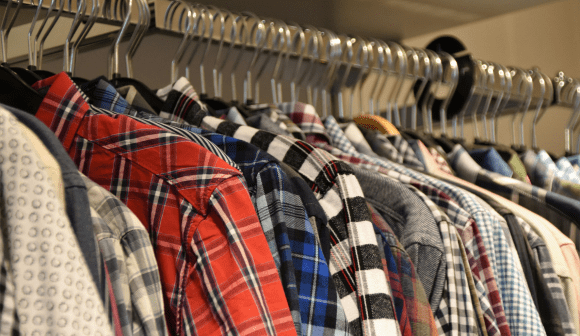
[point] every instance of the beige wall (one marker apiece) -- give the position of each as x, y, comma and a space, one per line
546, 36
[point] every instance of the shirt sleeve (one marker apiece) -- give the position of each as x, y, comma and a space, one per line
234, 272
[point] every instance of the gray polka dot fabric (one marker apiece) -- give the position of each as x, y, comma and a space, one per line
54, 293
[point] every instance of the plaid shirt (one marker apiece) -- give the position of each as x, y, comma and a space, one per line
455, 314
281, 120
571, 284
506, 292
381, 145
558, 306
131, 264
313, 301
355, 263
559, 210
544, 173
487, 291
211, 280
410, 299
441, 162
104, 96
410, 158
285, 223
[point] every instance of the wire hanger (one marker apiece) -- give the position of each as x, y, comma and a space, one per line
39, 50
392, 97
428, 63
334, 53
311, 51
536, 77
498, 73
428, 100
86, 29
362, 61
450, 80
528, 87
13, 90
548, 99
258, 40
506, 95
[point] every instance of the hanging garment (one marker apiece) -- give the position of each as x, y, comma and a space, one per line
546, 204
415, 226
414, 306
130, 258
51, 278
361, 290
544, 174
499, 250
277, 209
456, 312
170, 189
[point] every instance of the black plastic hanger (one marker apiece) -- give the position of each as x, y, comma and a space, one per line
26, 75
17, 93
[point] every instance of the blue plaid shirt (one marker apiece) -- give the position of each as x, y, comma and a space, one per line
309, 289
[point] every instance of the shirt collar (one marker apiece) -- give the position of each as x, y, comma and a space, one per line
337, 136
104, 95
463, 164
182, 103
63, 107
305, 116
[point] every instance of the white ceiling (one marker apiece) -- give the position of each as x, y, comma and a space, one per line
386, 19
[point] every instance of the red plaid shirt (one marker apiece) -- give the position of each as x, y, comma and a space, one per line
217, 272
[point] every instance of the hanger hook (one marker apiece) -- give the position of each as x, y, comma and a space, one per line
31, 46
540, 112
186, 27
506, 95
333, 52
5, 31
35, 49
436, 76
218, 15
488, 91
410, 53
114, 51
257, 38
379, 62
453, 81
568, 132
48, 31
278, 32
347, 58
299, 47
388, 54
86, 29
243, 37
428, 64
394, 93
498, 70
138, 34
528, 86
79, 15
218, 67
284, 53
362, 60
200, 22
535, 75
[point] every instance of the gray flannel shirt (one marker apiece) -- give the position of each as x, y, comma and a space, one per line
127, 250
